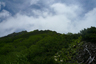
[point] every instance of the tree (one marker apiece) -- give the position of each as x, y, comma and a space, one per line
89, 34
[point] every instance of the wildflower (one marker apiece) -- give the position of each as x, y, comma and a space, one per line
55, 59
61, 60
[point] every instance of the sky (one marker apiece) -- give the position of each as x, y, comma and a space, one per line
62, 16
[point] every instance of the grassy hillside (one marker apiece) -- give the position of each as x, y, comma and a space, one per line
47, 47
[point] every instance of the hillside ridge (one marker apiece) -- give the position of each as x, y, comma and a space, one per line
49, 47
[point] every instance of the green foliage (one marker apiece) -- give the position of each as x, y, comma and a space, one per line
43, 47
89, 34
6, 49
67, 55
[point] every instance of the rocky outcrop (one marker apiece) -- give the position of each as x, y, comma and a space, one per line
87, 53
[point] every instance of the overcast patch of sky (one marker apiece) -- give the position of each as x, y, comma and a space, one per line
60, 15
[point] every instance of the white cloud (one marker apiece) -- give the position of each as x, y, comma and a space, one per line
70, 11
88, 20
46, 20
4, 13
66, 19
